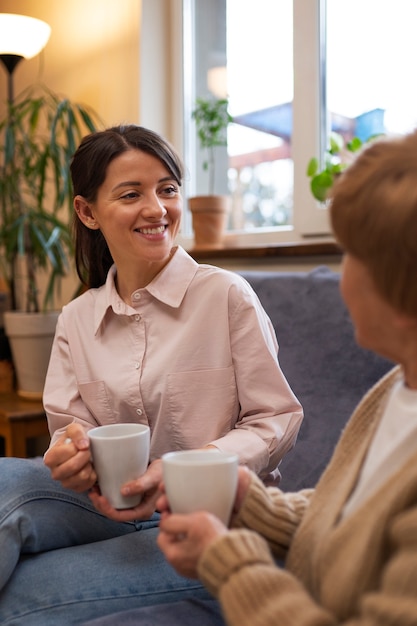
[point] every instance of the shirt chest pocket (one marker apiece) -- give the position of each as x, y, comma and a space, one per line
203, 405
95, 397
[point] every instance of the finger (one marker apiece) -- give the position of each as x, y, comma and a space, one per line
76, 434
59, 453
83, 480
176, 524
162, 504
178, 553
79, 462
119, 515
166, 543
244, 479
77, 473
148, 482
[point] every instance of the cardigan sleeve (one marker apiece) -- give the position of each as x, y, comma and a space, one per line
395, 602
239, 569
273, 514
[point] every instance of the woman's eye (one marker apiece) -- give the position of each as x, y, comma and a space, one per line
171, 190
130, 195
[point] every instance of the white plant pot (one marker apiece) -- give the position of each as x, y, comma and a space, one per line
30, 336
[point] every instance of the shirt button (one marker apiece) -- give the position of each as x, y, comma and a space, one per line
136, 296
139, 411
137, 318
137, 365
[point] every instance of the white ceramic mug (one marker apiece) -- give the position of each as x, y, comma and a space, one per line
120, 453
198, 480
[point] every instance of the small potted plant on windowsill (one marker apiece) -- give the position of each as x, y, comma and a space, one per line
210, 211
338, 156
38, 136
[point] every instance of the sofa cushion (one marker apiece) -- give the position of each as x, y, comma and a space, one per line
327, 370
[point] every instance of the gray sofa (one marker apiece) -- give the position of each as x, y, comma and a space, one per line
327, 371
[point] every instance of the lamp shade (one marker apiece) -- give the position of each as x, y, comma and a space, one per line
22, 36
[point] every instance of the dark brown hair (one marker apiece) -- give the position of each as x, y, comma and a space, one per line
373, 212
88, 171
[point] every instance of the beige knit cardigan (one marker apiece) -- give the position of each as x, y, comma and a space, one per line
358, 571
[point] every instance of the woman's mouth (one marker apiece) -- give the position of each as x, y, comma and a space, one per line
152, 230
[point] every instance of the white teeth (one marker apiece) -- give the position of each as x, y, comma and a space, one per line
152, 231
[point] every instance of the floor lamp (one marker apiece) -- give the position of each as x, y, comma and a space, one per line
21, 37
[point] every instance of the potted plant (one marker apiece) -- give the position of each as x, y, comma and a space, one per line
209, 212
38, 136
338, 156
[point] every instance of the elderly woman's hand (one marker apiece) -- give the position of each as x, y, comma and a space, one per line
183, 539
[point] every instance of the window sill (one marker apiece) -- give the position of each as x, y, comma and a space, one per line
270, 251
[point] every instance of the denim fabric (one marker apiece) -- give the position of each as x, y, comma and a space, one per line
38, 514
46, 529
91, 581
190, 612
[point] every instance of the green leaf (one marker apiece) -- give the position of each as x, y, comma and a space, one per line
312, 167
320, 185
354, 145
336, 143
212, 119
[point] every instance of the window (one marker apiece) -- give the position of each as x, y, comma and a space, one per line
371, 52
260, 94
293, 69
244, 50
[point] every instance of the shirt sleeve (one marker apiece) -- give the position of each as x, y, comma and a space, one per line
270, 415
62, 401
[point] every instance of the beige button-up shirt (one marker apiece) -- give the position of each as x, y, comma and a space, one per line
194, 356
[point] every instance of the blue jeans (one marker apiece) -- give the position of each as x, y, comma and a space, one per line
62, 562
190, 612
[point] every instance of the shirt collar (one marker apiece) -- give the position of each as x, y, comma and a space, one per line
169, 287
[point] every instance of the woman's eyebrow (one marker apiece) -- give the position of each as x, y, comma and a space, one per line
127, 183
137, 183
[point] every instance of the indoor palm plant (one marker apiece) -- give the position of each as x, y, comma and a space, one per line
39, 134
210, 211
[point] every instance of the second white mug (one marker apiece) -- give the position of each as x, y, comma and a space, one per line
201, 480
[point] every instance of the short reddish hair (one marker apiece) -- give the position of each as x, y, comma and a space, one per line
373, 212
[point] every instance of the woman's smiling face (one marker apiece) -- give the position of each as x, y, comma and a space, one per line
138, 209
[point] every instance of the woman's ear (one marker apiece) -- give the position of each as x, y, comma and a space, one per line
85, 212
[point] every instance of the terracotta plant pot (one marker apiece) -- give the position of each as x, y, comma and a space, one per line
209, 220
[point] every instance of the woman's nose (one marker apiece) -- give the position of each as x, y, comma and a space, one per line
154, 208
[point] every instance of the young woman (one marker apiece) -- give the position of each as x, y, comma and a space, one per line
156, 339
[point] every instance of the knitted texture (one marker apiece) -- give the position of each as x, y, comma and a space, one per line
360, 571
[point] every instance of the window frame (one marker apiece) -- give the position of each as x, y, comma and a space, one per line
175, 18
310, 124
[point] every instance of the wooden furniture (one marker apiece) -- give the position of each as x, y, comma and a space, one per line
20, 420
